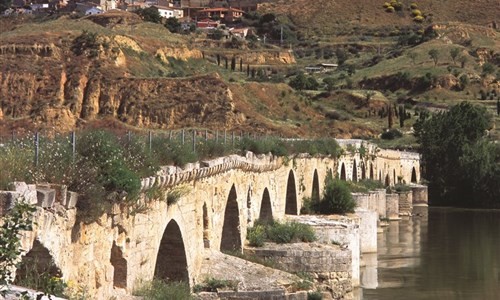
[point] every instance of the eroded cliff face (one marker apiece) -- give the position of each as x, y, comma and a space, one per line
48, 84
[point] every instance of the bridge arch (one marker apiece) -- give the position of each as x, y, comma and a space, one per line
413, 175
354, 171
387, 180
231, 237
315, 197
291, 195
36, 262
266, 210
371, 172
119, 264
363, 170
342, 172
171, 262
206, 227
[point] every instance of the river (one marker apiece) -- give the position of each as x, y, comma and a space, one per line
442, 253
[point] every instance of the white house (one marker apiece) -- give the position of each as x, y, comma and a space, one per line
169, 12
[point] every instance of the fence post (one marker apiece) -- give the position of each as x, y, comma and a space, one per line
170, 135
37, 144
183, 136
73, 144
232, 139
206, 135
225, 136
194, 140
13, 135
150, 140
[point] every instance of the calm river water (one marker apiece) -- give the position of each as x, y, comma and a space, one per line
443, 253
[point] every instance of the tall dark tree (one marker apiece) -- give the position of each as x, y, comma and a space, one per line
149, 14
173, 25
5, 4
389, 117
233, 63
447, 141
498, 107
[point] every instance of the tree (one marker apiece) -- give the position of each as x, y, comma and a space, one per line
413, 56
173, 25
434, 55
463, 60
498, 107
454, 52
447, 140
329, 83
149, 14
341, 56
4, 5
389, 117
488, 69
17, 220
233, 63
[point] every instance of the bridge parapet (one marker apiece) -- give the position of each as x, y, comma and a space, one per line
171, 175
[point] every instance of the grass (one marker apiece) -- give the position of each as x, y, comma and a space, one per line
160, 290
213, 285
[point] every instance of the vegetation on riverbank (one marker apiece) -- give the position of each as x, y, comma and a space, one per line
460, 161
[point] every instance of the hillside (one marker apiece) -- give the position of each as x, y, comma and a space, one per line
333, 17
60, 73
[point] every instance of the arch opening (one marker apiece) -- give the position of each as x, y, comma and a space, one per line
206, 230
266, 210
387, 180
249, 205
171, 262
394, 176
315, 188
413, 175
119, 264
380, 176
371, 172
231, 238
354, 171
342, 172
363, 171
291, 195
37, 263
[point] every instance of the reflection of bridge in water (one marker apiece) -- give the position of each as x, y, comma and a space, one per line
398, 253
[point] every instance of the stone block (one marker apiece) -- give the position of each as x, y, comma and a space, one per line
367, 230
46, 197
26, 191
392, 206
71, 200
420, 194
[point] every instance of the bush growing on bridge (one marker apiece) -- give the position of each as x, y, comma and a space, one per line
337, 198
280, 233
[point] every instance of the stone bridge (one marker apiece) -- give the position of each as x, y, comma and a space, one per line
205, 205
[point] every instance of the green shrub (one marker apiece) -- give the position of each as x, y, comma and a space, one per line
256, 235
413, 6
416, 12
314, 296
280, 233
337, 198
418, 19
309, 207
391, 134
390, 9
160, 290
212, 285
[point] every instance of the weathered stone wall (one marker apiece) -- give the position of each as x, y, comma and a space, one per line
405, 203
420, 195
392, 205
329, 265
339, 230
